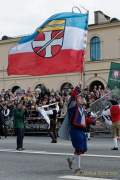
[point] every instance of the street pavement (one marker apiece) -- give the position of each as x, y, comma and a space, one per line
42, 160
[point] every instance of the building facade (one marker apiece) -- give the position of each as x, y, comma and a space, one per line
103, 47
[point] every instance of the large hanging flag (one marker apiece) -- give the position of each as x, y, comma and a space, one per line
114, 76
57, 46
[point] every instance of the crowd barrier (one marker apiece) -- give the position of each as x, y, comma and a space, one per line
37, 124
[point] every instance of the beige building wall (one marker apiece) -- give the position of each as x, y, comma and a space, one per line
52, 82
110, 40
109, 34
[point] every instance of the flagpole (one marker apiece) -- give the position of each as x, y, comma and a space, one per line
82, 74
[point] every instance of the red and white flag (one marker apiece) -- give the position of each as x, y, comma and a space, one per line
58, 46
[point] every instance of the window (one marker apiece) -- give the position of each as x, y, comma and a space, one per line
95, 49
16, 89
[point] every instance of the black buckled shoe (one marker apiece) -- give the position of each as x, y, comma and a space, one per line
54, 141
115, 148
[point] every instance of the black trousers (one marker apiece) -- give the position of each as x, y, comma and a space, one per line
53, 131
20, 137
3, 130
53, 124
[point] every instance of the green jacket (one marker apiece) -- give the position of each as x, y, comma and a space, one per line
19, 118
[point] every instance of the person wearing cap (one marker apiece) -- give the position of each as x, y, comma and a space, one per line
76, 116
114, 113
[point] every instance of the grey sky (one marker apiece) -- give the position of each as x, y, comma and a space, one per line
19, 17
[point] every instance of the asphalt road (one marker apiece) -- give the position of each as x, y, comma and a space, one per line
45, 161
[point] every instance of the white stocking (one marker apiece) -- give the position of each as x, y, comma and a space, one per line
115, 142
78, 160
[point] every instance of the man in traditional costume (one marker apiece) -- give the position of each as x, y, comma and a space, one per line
77, 128
114, 113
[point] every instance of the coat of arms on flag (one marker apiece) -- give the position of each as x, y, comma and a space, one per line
49, 41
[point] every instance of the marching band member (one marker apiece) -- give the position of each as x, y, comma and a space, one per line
114, 113
50, 117
46, 113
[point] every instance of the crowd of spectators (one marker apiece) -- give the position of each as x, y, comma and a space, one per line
45, 96
40, 97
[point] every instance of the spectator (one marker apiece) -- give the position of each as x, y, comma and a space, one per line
19, 114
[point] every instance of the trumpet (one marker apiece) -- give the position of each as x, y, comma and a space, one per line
48, 105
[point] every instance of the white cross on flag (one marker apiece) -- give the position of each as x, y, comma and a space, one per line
48, 44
